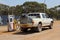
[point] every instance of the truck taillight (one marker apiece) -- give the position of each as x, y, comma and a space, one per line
32, 22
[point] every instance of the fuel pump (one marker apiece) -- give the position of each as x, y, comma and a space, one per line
11, 21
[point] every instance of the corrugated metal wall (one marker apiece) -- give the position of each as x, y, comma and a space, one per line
5, 19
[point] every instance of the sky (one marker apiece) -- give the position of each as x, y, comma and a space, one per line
50, 3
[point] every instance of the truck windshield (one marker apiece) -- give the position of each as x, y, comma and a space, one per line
34, 15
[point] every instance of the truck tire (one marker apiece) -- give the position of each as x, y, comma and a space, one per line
23, 29
50, 27
39, 28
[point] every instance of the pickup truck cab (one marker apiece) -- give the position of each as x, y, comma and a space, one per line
35, 21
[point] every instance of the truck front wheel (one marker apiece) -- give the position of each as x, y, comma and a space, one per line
50, 27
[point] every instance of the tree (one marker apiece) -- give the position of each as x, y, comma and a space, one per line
34, 7
18, 10
3, 9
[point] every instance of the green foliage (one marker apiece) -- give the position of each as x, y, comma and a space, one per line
28, 7
34, 7
55, 12
3, 9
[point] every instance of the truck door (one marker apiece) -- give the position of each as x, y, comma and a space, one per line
45, 20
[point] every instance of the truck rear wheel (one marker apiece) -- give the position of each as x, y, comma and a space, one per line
39, 28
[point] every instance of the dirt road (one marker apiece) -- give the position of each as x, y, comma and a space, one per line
46, 34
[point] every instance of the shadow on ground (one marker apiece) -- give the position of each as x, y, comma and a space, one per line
7, 31
29, 32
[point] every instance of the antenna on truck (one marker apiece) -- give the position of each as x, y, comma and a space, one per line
44, 5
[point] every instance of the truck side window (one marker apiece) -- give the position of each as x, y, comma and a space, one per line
30, 14
34, 15
38, 16
43, 15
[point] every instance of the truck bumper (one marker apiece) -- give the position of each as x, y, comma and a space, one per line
26, 25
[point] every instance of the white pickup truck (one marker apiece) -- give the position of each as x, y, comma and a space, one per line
35, 21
